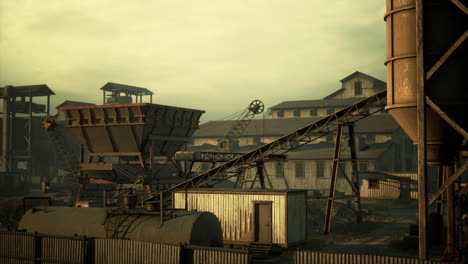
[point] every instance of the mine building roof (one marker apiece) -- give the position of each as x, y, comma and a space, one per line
380, 123
123, 88
73, 103
316, 103
28, 90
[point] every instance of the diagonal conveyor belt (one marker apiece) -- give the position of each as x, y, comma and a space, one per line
288, 142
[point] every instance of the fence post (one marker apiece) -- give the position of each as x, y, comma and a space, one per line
37, 248
88, 250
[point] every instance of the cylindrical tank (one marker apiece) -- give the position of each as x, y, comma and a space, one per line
443, 24
193, 228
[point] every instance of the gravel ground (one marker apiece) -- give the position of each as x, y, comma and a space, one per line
385, 223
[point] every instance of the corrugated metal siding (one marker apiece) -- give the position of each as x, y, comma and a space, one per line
213, 256
311, 257
17, 245
297, 217
388, 189
413, 181
115, 251
63, 249
236, 212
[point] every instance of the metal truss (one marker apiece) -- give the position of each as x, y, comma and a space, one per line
291, 141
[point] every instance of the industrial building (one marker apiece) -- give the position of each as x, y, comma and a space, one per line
342, 144
381, 144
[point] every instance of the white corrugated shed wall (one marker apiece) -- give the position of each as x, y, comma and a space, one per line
297, 217
388, 189
236, 212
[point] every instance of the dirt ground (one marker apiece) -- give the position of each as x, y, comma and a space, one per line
385, 224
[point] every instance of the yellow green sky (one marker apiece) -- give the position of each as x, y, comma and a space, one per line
215, 55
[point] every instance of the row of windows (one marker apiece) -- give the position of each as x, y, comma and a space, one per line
312, 112
319, 169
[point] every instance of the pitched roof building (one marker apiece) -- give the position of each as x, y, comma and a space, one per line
381, 143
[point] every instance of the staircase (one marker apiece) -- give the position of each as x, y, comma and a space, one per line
260, 250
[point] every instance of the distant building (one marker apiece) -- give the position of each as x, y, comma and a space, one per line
355, 88
381, 143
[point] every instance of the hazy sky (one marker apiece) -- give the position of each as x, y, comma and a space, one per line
215, 55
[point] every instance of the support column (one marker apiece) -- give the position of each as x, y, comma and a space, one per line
331, 193
450, 214
48, 105
355, 176
30, 165
421, 124
260, 175
6, 130
12, 115
439, 205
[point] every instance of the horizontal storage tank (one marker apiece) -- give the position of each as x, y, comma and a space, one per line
252, 216
444, 23
192, 228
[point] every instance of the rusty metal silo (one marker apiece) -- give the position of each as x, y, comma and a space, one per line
443, 24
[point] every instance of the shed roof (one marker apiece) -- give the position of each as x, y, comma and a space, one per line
29, 90
117, 87
73, 103
278, 127
316, 103
379, 83
325, 151
243, 191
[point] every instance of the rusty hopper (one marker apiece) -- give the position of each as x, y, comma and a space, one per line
121, 139
447, 87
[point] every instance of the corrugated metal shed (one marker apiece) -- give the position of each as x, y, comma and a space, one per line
389, 185
238, 212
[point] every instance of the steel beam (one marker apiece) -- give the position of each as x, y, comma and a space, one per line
460, 5
355, 175
463, 191
450, 215
440, 202
447, 55
449, 181
447, 119
422, 140
332, 190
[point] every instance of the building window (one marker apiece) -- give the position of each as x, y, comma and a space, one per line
280, 113
357, 88
297, 113
313, 112
279, 168
300, 170
330, 111
370, 139
373, 184
320, 169
363, 166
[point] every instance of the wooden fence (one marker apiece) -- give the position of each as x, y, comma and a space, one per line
314, 257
